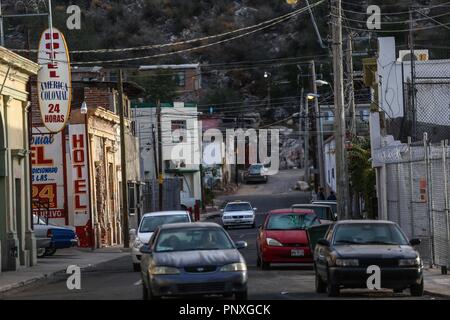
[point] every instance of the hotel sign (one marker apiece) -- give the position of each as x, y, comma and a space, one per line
54, 80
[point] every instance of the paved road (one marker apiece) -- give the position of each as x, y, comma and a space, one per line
116, 280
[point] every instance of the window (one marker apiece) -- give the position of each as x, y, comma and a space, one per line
180, 78
131, 198
178, 125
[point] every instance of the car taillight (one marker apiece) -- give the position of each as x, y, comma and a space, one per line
49, 233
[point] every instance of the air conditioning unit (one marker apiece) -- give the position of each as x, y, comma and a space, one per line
421, 55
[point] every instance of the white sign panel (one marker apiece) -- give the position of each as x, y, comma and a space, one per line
48, 189
80, 182
54, 80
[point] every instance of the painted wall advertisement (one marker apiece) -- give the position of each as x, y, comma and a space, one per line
48, 191
80, 183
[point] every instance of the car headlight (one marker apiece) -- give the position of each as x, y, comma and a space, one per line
156, 270
226, 217
347, 262
409, 262
273, 242
137, 243
234, 267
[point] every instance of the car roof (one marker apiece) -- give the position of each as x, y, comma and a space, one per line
324, 201
290, 210
365, 222
237, 202
187, 225
165, 213
311, 205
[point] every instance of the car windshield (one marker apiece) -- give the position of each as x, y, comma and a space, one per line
238, 207
150, 223
369, 233
321, 212
255, 169
291, 221
192, 239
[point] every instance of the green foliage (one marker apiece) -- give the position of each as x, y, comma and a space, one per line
362, 175
161, 86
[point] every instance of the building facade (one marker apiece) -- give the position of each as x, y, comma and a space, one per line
90, 183
17, 242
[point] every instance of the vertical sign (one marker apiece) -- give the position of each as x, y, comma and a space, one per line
54, 80
80, 183
48, 189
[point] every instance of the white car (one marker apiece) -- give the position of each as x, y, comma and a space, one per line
149, 223
238, 213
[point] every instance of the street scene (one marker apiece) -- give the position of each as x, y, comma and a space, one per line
224, 150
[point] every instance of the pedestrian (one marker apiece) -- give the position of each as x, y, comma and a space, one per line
321, 194
332, 196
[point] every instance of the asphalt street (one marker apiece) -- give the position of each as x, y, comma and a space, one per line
116, 279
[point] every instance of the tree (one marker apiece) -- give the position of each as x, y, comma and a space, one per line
160, 85
362, 175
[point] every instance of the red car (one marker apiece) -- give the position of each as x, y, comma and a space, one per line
283, 239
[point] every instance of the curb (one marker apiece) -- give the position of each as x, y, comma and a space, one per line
45, 276
437, 294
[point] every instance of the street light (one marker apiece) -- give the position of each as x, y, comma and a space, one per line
322, 83
84, 108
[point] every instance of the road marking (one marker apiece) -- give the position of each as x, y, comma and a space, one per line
137, 283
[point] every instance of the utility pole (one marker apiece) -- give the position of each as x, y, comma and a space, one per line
351, 94
339, 119
300, 121
307, 127
160, 157
123, 165
2, 32
155, 155
413, 72
319, 133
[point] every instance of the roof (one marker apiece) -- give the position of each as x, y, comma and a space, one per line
131, 89
310, 205
148, 105
365, 222
169, 66
304, 211
163, 213
185, 225
237, 201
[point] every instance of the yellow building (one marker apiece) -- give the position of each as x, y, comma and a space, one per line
17, 242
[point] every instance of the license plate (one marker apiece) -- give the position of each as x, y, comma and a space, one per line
297, 253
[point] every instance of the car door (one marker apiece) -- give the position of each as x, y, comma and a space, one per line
320, 252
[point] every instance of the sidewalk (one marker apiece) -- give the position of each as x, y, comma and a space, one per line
49, 266
436, 283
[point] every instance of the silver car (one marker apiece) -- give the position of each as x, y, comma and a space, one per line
197, 259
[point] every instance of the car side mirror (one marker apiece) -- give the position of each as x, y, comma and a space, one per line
145, 249
323, 242
254, 209
335, 217
241, 245
415, 242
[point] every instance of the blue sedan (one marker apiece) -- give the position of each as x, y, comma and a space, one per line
193, 259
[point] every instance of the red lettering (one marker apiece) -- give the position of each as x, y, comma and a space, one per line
78, 204
78, 156
38, 156
80, 186
79, 169
78, 141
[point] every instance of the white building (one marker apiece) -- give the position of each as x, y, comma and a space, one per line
329, 156
181, 145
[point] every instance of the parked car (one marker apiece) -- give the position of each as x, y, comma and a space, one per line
60, 237
256, 173
238, 213
282, 238
199, 258
331, 203
324, 212
148, 224
349, 247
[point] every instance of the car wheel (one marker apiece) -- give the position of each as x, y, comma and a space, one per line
241, 295
417, 289
321, 286
50, 251
265, 265
40, 252
136, 267
333, 290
